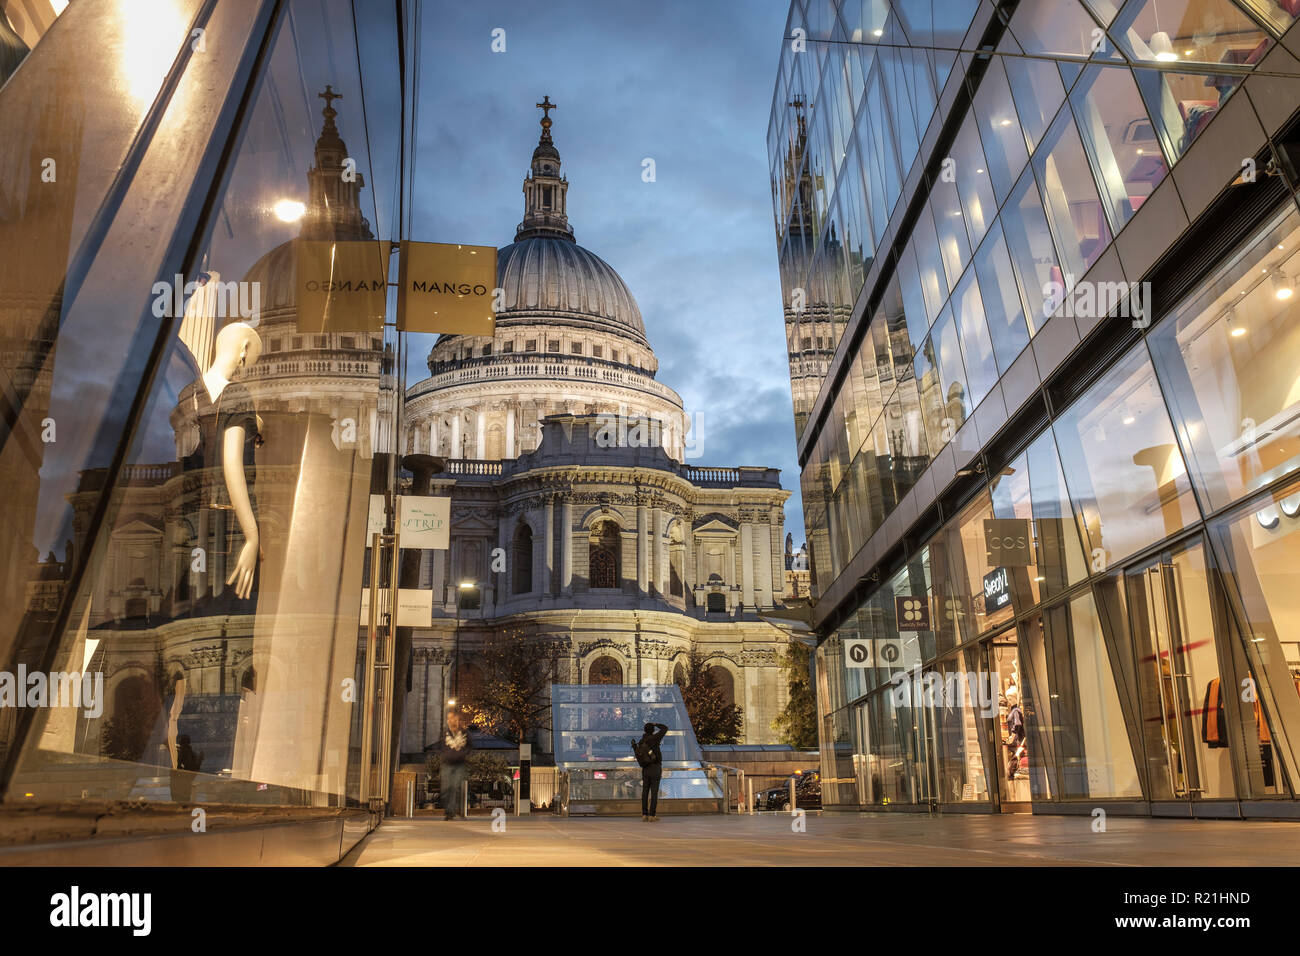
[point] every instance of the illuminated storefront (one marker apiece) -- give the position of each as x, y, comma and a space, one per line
1044, 350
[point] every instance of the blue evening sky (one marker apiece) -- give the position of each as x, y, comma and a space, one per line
687, 83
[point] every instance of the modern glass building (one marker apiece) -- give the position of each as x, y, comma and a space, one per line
1039, 261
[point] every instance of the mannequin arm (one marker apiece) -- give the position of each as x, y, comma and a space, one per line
232, 467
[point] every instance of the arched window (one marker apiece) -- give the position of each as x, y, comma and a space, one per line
604, 555
679, 675
717, 602
726, 684
605, 670
521, 559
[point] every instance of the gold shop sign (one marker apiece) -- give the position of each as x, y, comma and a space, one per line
342, 286
446, 287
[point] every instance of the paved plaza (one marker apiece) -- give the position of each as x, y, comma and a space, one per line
832, 839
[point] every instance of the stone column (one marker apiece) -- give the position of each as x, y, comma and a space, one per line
433, 437
641, 530
566, 546
510, 431
549, 563
455, 450
660, 562
480, 436
747, 564
764, 589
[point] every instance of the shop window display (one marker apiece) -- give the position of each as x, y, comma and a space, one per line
1229, 364
201, 600
1122, 465
1259, 549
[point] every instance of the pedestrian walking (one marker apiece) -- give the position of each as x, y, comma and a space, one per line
454, 750
651, 759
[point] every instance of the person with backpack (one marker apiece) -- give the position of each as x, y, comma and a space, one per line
651, 759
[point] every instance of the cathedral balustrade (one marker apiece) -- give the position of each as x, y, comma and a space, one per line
470, 467
489, 367
742, 477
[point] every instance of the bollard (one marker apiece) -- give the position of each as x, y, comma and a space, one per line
464, 798
750, 785
793, 802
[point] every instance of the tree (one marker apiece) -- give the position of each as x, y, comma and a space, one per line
714, 719
797, 723
512, 699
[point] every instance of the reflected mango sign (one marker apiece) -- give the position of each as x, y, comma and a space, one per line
446, 287
341, 286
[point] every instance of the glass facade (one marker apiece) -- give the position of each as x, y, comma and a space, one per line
188, 448
1104, 617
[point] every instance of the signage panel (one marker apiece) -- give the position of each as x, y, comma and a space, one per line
341, 286
424, 522
446, 287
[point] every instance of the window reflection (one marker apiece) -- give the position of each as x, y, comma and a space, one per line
1122, 465
1093, 747
1189, 31
1259, 546
976, 346
1070, 198
1004, 143
1030, 244
201, 601
1120, 140
1229, 360
1000, 297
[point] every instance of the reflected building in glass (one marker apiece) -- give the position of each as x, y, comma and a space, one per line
1038, 263
189, 451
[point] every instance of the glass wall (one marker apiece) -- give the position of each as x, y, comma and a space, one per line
1109, 616
1067, 135
187, 537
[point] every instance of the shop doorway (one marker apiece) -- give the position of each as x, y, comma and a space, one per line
1010, 737
1184, 702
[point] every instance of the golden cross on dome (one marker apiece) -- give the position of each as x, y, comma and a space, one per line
329, 96
546, 106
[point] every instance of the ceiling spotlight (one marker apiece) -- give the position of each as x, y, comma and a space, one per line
1235, 328
1005, 122
1281, 286
1129, 419
1162, 48
289, 210
877, 32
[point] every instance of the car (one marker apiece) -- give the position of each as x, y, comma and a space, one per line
807, 788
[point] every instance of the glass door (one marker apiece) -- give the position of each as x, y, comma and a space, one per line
1011, 747
1188, 748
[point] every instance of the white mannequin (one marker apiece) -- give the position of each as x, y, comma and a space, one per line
238, 344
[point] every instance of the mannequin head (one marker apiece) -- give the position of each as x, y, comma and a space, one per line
237, 344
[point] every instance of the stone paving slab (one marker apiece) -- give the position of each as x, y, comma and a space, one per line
832, 839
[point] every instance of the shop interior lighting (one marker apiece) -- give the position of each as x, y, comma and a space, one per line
289, 210
1281, 286
1162, 48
